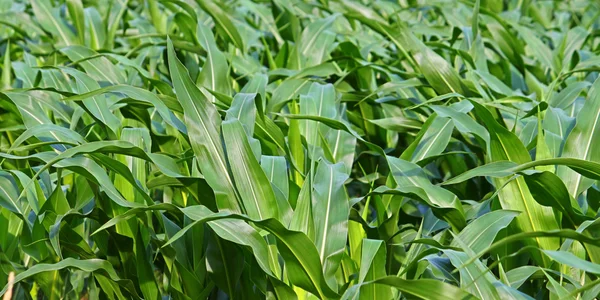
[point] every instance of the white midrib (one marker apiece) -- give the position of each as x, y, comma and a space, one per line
95, 35
444, 79
241, 110
220, 160
298, 88
270, 25
54, 80
560, 128
97, 106
474, 282
89, 63
316, 127
11, 199
213, 84
29, 81
62, 34
225, 28
40, 121
433, 141
325, 228
99, 71
528, 210
272, 169
337, 143
321, 102
56, 111
249, 181
95, 101
587, 151
314, 38
483, 231
407, 177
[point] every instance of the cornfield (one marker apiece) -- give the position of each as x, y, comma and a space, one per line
305, 149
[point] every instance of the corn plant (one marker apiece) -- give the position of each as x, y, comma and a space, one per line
331, 149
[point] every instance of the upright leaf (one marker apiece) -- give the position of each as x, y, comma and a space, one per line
204, 127
515, 194
215, 71
330, 210
250, 179
583, 142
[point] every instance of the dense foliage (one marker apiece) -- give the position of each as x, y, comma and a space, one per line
299, 149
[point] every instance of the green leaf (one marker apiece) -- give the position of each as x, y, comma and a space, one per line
204, 127
372, 267
423, 288
515, 195
275, 167
144, 270
250, 179
287, 90
570, 259
138, 94
581, 142
440, 75
299, 150
223, 22
215, 71
330, 212
48, 17
567, 96
224, 264
302, 260
9, 197
75, 8
465, 124
312, 45
480, 233
506, 168
549, 190
409, 175
90, 265
475, 278
99, 68
434, 140
97, 105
